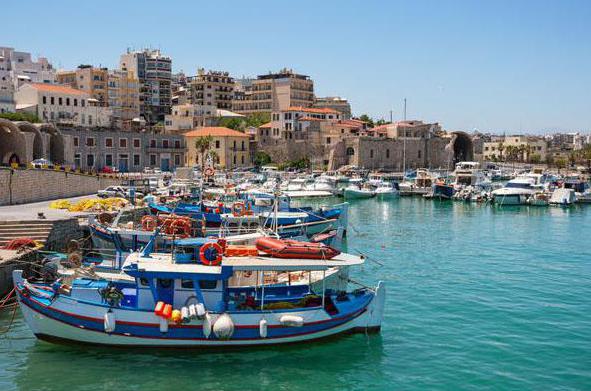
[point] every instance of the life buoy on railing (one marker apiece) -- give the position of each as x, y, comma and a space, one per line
148, 223
209, 171
238, 209
210, 254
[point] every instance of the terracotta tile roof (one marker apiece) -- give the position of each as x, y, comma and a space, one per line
55, 88
312, 110
310, 119
267, 125
215, 131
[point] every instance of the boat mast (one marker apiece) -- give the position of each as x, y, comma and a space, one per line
404, 143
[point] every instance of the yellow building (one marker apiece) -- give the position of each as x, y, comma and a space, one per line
517, 148
231, 147
89, 79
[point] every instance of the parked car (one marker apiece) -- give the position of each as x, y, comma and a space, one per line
112, 191
39, 163
118, 191
109, 170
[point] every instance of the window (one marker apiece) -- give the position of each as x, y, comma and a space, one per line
77, 160
164, 283
371, 153
217, 144
242, 145
90, 119
144, 282
177, 160
109, 142
242, 159
328, 140
44, 100
136, 160
152, 143
208, 284
177, 144
387, 153
350, 151
234, 160
164, 143
187, 284
76, 141
90, 160
67, 101
90, 141
75, 102
82, 102
108, 159
152, 160
59, 101
52, 100
419, 153
122, 143
137, 143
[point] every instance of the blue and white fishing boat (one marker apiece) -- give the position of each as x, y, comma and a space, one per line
185, 300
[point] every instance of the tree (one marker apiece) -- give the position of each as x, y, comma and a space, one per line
535, 158
261, 159
22, 116
560, 162
366, 118
235, 123
257, 119
501, 148
202, 145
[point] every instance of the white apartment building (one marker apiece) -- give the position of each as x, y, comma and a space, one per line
61, 105
20, 68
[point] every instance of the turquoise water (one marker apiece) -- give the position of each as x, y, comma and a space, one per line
478, 298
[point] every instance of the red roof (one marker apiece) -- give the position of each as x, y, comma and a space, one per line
267, 125
215, 131
57, 89
312, 110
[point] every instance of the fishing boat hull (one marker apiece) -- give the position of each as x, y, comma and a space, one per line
67, 320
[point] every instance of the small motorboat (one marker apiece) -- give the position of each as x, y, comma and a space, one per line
563, 197
285, 248
355, 191
386, 190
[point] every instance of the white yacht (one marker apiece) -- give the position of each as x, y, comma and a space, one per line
517, 191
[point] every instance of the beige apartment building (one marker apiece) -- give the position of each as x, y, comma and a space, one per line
274, 92
231, 147
336, 103
212, 88
124, 99
89, 79
504, 147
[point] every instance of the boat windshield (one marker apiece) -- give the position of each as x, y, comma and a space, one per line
519, 185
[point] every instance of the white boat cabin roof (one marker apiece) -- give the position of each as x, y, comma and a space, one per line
162, 263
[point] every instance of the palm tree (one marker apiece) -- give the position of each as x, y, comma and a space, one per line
202, 144
501, 147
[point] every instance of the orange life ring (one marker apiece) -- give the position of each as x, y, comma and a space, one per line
209, 171
238, 209
218, 257
148, 223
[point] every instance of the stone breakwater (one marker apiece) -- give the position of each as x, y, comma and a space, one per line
19, 186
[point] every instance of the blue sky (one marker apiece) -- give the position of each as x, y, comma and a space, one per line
514, 66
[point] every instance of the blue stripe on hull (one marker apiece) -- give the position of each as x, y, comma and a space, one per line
188, 332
